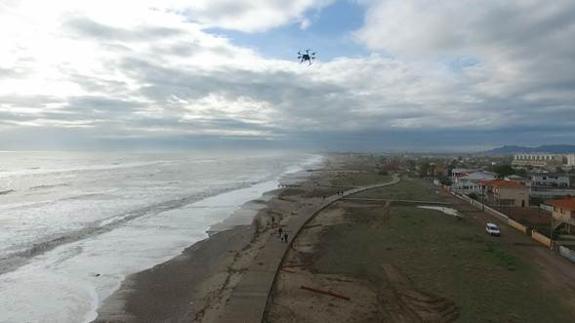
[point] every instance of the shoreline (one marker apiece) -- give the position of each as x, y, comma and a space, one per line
195, 284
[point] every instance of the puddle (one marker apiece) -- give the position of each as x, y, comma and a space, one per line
446, 210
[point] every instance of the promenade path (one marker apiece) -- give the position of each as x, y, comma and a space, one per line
248, 301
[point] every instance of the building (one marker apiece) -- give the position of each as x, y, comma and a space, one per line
501, 193
547, 180
458, 173
471, 183
548, 186
537, 160
570, 160
517, 178
563, 214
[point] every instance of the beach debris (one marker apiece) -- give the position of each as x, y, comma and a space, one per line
325, 292
288, 270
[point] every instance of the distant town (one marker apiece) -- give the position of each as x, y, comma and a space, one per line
533, 192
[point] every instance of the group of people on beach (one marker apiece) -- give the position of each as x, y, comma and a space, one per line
339, 193
283, 235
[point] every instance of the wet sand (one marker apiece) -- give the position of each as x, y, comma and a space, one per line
180, 289
195, 286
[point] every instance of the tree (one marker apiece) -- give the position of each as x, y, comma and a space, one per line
444, 180
423, 169
521, 172
503, 170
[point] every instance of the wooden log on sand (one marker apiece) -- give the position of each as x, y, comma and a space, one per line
325, 292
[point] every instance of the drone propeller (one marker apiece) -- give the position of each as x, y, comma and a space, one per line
306, 55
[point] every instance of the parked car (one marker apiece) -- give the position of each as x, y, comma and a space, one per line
493, 229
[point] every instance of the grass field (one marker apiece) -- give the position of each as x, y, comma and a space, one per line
407, 189
354, 179
441, 255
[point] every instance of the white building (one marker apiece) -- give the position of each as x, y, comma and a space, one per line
548, 185
570, 160
537, 160
471, 182
546, 180
458, 173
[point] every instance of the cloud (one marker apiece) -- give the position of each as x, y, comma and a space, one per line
89, 28
450, 74
518, 46
521, 62
252, 15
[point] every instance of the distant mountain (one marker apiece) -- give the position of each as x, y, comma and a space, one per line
551, 149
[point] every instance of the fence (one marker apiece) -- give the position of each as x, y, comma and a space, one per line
518, 226
541, 238
563, 251
492, 211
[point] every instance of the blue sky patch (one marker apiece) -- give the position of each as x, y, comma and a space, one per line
330, 35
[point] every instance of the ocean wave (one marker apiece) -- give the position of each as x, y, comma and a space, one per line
41, 171
48, 186
5, 192
17, 259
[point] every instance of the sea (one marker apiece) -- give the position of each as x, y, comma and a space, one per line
73, 225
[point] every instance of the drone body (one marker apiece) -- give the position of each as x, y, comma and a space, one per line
306, 56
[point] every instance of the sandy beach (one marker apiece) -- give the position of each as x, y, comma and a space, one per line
375, 256
196, 285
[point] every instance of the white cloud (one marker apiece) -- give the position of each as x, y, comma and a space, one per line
143, 69
519, 48
518, 44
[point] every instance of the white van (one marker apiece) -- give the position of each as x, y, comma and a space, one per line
493, 229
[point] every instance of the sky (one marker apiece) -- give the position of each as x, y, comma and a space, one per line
423, 75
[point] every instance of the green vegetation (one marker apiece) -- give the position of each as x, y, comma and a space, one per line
444, 180
363, 178
503, 170
473, 196
506, 170
441, 255
408, 189
424, 169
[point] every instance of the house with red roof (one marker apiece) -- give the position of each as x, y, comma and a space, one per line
507, 193
563, 214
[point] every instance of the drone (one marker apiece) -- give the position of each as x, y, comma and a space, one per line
306, 56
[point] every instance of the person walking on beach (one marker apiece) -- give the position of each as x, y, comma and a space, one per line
285, 237
280, 233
